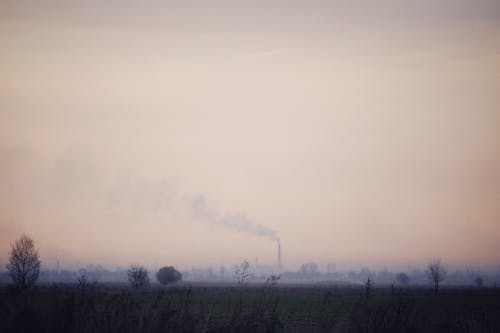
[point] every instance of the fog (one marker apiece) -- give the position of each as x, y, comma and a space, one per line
193, 134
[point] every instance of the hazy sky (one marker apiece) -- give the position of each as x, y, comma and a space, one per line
198, 132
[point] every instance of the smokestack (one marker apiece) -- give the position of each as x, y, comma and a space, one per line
279, 253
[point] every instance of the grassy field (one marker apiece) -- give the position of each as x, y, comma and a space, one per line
219, 308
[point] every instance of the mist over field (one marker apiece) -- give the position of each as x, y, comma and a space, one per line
198, 134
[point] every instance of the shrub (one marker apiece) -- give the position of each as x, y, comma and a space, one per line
168, 275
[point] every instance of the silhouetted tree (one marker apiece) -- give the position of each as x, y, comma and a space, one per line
402, 278
436, 273
168, 275
138, 276
241, 273
83, 280
368, 288
272, 280
23, 265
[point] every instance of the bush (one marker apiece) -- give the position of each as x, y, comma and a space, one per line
168, 275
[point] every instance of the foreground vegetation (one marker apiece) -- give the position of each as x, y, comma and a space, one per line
208, 308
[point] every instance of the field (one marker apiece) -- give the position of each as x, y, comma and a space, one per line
254, 308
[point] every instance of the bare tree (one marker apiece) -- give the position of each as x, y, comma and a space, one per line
24, 265
83, 281
241, 273
436, 273
272, 280
138, 276
368, 288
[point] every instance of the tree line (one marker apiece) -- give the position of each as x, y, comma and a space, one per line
24, 267
24, 263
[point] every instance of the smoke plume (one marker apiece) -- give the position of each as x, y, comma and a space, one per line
239, 222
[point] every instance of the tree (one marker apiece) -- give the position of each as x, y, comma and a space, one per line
138, 276
168, 275
436, 273
241, 273
402, 278
84, 282
272, 280
368, 288
24, 265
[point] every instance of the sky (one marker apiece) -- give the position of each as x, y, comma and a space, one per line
196, 133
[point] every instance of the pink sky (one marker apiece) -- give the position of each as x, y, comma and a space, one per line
364, 134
